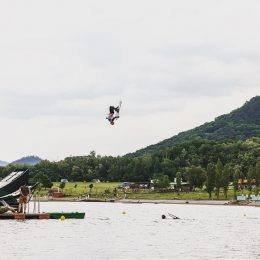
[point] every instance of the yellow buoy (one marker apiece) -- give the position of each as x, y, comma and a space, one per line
62, 218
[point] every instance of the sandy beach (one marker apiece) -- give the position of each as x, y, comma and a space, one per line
197, 202
187, 202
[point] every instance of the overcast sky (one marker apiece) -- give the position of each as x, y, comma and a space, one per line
174, 64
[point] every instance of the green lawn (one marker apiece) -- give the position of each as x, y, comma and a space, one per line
79, 188
106, 191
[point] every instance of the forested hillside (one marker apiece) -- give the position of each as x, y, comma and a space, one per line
240, 124
28, 160
195, 156
186, 158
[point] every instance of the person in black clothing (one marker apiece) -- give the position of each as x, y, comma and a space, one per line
113, 114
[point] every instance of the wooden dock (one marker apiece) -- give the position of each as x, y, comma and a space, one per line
53, 215
20, 216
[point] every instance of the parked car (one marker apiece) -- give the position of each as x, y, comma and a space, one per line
125, 185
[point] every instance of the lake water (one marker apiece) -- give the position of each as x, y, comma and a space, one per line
203, 232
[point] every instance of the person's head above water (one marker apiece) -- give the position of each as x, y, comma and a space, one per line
163, 217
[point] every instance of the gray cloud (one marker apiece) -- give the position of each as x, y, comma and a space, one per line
64, 63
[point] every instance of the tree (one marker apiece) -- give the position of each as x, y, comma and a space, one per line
156, 164
210, 181
257, 176
237, 174
168, 168
48, 168
64, 169
227, 171
219, 177
161, 181
76, 173
250, 177
93, 153
43, 179
62, 185
46, 181
115, 192
178, 182
91, 187
196, 176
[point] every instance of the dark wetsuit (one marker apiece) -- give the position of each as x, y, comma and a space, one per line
24, 194
111, 116
24, 190
113, 109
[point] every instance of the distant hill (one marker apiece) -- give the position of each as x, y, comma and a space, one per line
3, 163
240, 124
28, 160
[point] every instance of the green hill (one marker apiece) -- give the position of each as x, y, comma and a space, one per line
28, 160
240, 124
3, 163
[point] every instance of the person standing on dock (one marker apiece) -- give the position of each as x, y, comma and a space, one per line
23, 200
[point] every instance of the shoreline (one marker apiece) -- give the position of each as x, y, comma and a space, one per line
154, 201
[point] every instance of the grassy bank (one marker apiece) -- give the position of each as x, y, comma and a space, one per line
107, 191
75, 189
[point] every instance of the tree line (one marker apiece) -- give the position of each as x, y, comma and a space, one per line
201, 162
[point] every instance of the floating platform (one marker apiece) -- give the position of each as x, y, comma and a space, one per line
52, 215
72, 215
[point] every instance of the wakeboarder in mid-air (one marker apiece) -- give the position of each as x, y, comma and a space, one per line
113, 113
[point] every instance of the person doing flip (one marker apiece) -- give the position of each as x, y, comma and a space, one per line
113, 113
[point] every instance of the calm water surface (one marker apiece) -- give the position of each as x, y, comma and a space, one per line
203, 232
